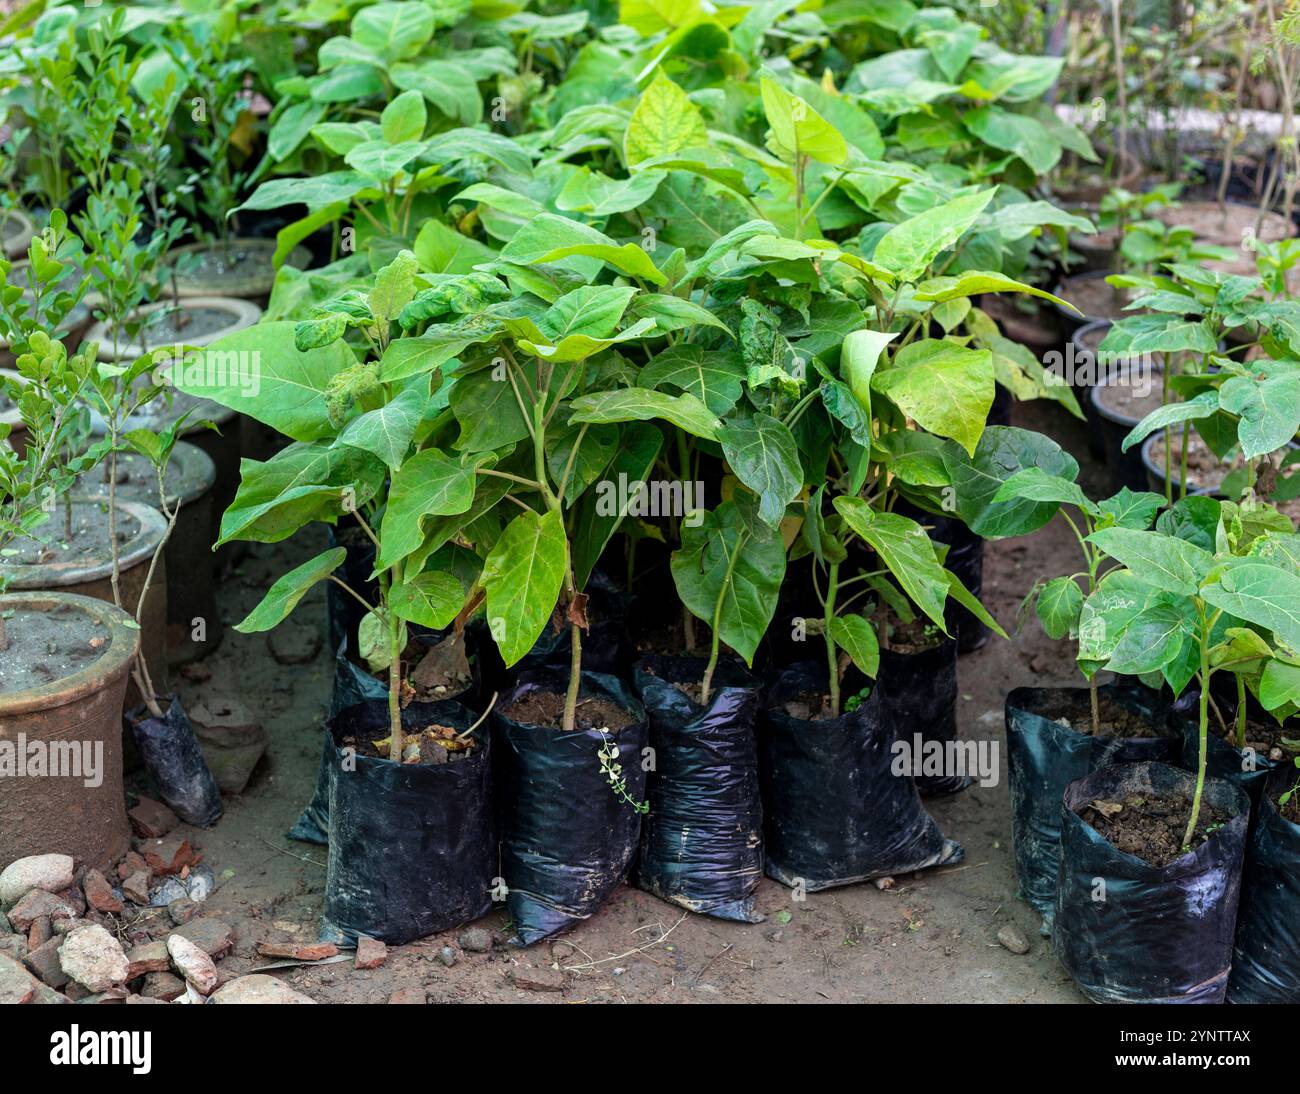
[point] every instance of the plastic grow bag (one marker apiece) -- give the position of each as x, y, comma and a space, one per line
834, 812
174, 760
1248, 769
567, 839
1045, 756
918, 695
1266, 953
1130, 932
412, 847
702, 841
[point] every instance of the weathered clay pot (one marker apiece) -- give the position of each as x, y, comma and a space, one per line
93, 576
191, 595
16, 232
9, 416
249, 276
233, 741
60, 814
214, 317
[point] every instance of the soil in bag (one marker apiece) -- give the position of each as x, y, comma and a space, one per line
412, 845
1266, 953
443, 669
1137, 919
1050, 743
570, 825
174, 760
918, 695
702, 841
834, 811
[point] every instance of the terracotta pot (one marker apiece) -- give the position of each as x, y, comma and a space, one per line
237, 315
191, 595
251, 276
61, 814
94, 578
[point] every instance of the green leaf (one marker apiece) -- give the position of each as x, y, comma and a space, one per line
522, 576
1018, 134
1155, 637
763, 454
387, 431
1058, 607
284, 595
393, 31
946, 388
664, 121
404, 118
1132, 509
1269, 410
797, 130
856, 637
858, 360
977, 282
673, 313
593, 310
394, 287
906, 551
1035, 484
907, 249
1002, 451
713, 377
641, 404
1202, 406
1173, 565
427, 485
730, 567
431, 599
1265, 595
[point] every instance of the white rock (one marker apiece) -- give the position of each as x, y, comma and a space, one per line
94, 958
192, 963
52, 873
258, 988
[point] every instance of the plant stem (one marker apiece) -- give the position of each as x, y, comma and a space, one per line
1241, 711
397, 740
832, 668
1202, 734
716, 621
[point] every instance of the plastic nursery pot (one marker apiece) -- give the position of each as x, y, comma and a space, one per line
1045, 754
1131, 932
1200, 479
84, 565
62, 683
702, 841
567, 836
193, 622
16, 232
1266, 953
834, 811
1084, 358
1090, 293
1097, 250
172, 756
412, 845
1121, 398
240, 269
918, 695
1248, 768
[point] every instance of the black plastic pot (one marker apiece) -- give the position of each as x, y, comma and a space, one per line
1223, 760
702, 841
412, 847
966, 560
1266, 954
1126, 468
1082, 361
918, 695
174, 760
1071, 321
343, 613
1130, 932
1154, 473
1044, 756
834, 811
567, 839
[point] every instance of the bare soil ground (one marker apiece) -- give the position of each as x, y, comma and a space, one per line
931, 938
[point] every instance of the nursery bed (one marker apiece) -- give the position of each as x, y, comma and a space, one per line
929, 939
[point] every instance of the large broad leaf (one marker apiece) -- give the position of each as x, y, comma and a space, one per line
762, 453
1202, 406
407, 357
427, 485
299, 484
1119, 598
259, 372
642, 404
664, 121
907, 249
1173, 565
1157, 636
488, 411
1018, 134
316, 193
592, 310
601, 512
431, 599
715, 378
861, 354
1259, 593
728, 566
976, 283
387, 431
797, 129
522, 577
976, 479
945, 388
284, 595
1058, 606
857, 637
906, 551
1269, 410
1035, 484
393, 31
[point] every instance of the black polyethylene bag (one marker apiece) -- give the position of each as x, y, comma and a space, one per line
918, 695
1044, 757
702, 841
834, 813
343, 613
174, 759
1248, 769
567, 839
313, 823
1156, 935
1266, 954
412, 846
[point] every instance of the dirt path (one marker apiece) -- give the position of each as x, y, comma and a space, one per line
932, 938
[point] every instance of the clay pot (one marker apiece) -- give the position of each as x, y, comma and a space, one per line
232, 740
220, 316
93, 577
191, 594
16, 232
9, 416
61, 814
249, 276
